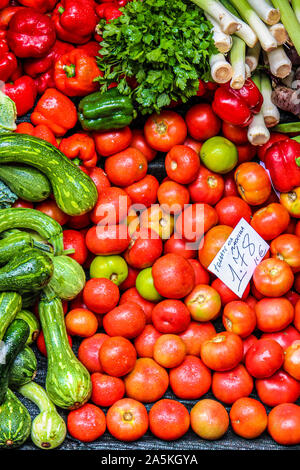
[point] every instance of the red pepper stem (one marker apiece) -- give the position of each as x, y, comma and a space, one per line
77, 161
70, 70
61, 10
297, 160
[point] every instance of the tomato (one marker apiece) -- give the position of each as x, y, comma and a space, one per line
253, 183
191, 379
219, 154
230, 187
100, 179
81, 322
195, 220
273, 314
127, 320
291, 201
147, 382
292, 360
106, 390
195, 334
287, 248
127, 420
284, 424
145, 286
88, 352
117, 356
182, 164
269, 222
49, 207
109, 240
247, 343
159, 219
143, 192
194, 144
213, 241
202, 122
21, 203
204, 303
248, 418
279, 388
132, 295
110, 142
87, 423
163, 131
262, 149
222, 352
246, 152
273, 277
226, 294
173, 196
111, 267
231, 209
126, 167
169, 350
264, 358
130, 280
171, 316
100, 295
78, 222
201, 274
179, 247
208, 187
239, 318
209, 419
284, 337
144, 343
111, 208
236, 134
144, 249
165, 412
231, 385
173, 276
139, 142
74, 240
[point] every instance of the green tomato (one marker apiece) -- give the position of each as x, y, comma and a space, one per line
145, 286
219, 154
111, 267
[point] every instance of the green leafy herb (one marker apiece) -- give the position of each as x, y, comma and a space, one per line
164, 45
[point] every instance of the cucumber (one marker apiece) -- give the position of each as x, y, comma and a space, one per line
23, 369
48, 429
26, 182
13, 342
32, 322
10, 305
74, 191
15, 422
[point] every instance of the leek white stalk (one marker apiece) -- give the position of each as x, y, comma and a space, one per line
248, 71
296, 8
265, 11
269, 110
258, 133
223, 42
252, 56
288, 81
244, 32
279, 63
220, 69
237, 60
228, 24
279, 32
267, 41
289, 19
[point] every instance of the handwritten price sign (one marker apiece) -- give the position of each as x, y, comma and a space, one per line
236, 261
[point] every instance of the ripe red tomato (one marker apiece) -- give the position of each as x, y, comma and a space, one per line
179, 247
204, 303
139, 142
88, 352
195, 334
195, 220
167, 411
87, 423
253, 183
50, 208
173, 196
207, 187
21, 203
213, 241
78, 222
270, 221
239, 318
171, 316
127, 320
209, 419
201, 274
222, 352
284, 424
284, 337
81, 322
273, 314
226, 294
230, 188
194, 144
107, 240
202, 122
111, 208
264, 358
236, 134
110, 142
144, 249
231, 385
144, 191
100, 179
273, 277
127, 420
248, 418
287, 247
247, 343
182, 164
231, 209
101, 295
144, 343
126, 167
132, 295
117, 356
169, 351
106, 390
75, 240
147, 382
163, 131
246, 152
173, 276
279, 388
292, 360
191, 379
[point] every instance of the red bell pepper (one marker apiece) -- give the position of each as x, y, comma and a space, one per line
282, 160
44, 80
81, 147
75, 20
262, 149
108, 10
237, 106
8, 61
91, 48
42, 6
30, 33
4, 3
42, 131
34, 67
22, 92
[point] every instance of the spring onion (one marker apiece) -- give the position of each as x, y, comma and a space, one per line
237, 60
221, 70
228, 24
269, 110
289, 19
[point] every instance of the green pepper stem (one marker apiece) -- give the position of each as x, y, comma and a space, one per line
70, 70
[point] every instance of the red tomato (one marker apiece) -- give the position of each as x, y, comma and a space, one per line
208, 187
182, 164
165, 412
222, 352
21, 203
87, 423
81, 322
127, 420
292, 360
126, 167
194, 144
173, 276
100, 179
284, 424
195, 220
110, 240
117, 356
287, 248
279, 388
110, 142
248, 418
179, 247
269, 222
144, 343
273, 314
284, 337
100, 295
88, 352
173, 196
78, 222
239, 318
201, 274
195, 334
191, 379
231, 385
246, 152
230, 188
236, 134
139, 142
247, 343
231, 209
144, 191
50, 208
163, 131
264, 358
204, 303
106, 390
171, 316
75, 240
132, 295
111, 208
131, 279
144, 249
212, 242
273, 277
127, 320
226, 294
202, 122
253, 183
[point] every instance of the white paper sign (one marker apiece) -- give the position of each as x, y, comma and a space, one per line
241, 253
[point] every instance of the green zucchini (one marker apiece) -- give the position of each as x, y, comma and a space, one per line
27, 271
10, 305
27, 182
68, 383
23, 369
68, 278
48, 429
15, 422
74, 191
32, 322
45, 226
13, 342
18, 241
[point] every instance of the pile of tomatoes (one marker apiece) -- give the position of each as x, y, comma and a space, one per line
152, 317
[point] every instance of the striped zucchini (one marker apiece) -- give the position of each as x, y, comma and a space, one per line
68, 383
10, 305
23, 369
74, 191
45, 226
26, 182
18, 241
32, 322
15, 422
68, 278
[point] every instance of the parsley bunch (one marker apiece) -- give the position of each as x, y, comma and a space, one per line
164, 44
